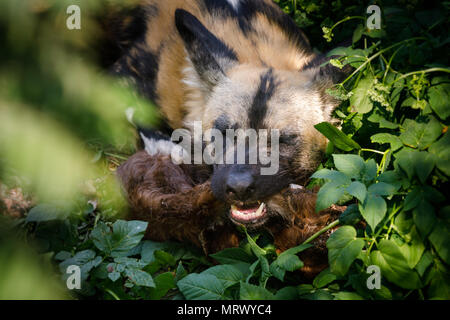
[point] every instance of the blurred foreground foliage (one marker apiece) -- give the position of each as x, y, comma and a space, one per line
64, 131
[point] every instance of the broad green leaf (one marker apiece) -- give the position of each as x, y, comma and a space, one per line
339, 139
287, 262
201, 287
425, 261
252, 292
324, 278
423, 164
382, 189
347, 296
232, 256
382, 138
360, 100
350, 164
227, 274
139, 277
439, 94
123, 237
392, 178
332, 175
420, 135
47, 212
440, 239
373, 209
358, 190
287, 293
350, 216
343, 248
439, 288
163, 283
149, 248
424, 217
329, 194
114, 276
370, 171
441, 150
414, 249
393, 265
405, 160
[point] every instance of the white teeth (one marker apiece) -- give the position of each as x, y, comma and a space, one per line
246, 215
260, 209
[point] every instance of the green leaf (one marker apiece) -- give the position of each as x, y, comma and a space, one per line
424, 217
329, 194
420, 135
47, 212
382, 138
114, 276
414, 249
439, 97
350, 216
373, 209
358, 190
441, 150
370, 171
149, 248
357, 34
347, 296
382, 189
324, 278
360, 101
440, 240
123, 237
139, 277
332, 175
181, 272
201, 287
393, 265
350, 164
440, 283
227, 274
163, 283
337, 137
343, 248
232, 256
252, 292
423, 164
287, 293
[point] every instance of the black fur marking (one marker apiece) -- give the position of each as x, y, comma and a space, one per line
205, 50
264, 93
222, 123
249, 8
142, 68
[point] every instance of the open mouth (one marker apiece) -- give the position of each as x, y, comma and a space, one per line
249, 215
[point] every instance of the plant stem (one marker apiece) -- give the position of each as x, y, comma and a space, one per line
371, 150
321, 231
112, 294
421, 72
379, 53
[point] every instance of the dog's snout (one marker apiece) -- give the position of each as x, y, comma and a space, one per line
240, 185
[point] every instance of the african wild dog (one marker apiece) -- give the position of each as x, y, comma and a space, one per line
234, 64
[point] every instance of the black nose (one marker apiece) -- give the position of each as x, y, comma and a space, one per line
240, 185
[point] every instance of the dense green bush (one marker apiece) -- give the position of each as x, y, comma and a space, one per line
389, 161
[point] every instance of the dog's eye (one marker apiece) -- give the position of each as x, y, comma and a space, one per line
288, 139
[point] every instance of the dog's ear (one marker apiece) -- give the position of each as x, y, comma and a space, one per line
210, 57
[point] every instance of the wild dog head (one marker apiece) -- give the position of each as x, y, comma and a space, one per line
246, 95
